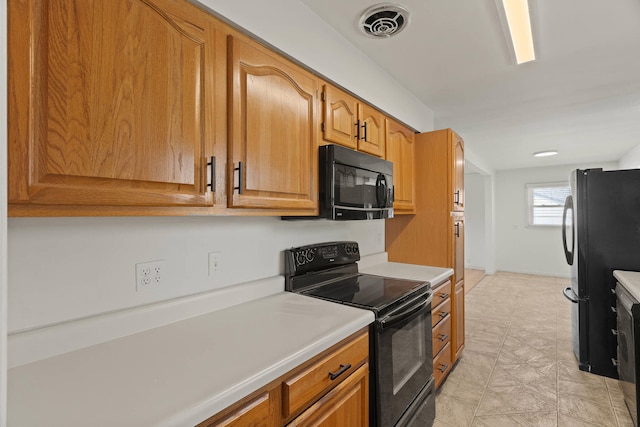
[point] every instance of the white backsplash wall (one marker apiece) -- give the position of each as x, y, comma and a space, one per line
62, 269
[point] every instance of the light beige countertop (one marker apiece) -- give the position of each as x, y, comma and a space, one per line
630, 280
181, 373
433, 275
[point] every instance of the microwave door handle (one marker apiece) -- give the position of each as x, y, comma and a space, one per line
568, 254
381, 190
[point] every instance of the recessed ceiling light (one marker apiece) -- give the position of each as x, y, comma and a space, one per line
546, 153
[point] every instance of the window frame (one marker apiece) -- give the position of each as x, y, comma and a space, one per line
529, 206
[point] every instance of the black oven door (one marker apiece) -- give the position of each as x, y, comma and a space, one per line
361, 193
403, 356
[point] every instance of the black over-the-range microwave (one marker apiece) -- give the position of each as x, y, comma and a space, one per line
353, 185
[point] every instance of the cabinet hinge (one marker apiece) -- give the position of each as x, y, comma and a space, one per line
322, 126
212, 176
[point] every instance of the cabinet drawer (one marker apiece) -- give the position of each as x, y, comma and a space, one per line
441, 293
440, 312
304, 387
345, 405
442, 364
441, 335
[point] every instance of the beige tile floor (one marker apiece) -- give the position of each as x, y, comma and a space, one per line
518, 368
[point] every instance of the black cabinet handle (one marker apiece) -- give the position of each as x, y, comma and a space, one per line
239, 169
615, 362
357, 129
614, 332
365, 130
457, 232
456, 197
443, 314
444, 296
212, 181
443, 368
443, 337
342, 370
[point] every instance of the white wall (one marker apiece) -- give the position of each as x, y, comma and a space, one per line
65, 268
522, 249
630, 160
474, 221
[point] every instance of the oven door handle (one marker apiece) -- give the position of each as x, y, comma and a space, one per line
407, 313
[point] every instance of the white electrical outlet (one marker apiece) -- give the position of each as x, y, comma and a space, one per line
215, 259
150, 274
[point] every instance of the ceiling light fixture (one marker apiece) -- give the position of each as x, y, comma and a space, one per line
545, 153
519, 21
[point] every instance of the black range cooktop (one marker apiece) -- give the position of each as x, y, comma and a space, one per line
329, 271
367, 291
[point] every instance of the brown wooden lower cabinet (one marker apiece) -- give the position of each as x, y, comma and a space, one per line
441, 319
458, 319
310, 394
345, 405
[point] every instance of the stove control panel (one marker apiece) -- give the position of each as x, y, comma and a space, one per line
319, 256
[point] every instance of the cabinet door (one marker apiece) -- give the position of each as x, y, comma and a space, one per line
256, 412
340, 117
458, 247
372, 135
345, 405
259, 409
272, 130
401, 151
458, 320
110, 102
458, 172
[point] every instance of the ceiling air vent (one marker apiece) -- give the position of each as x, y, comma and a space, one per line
384, 20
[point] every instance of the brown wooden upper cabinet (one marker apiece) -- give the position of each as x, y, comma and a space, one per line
272, 130
110, 103
458, 176
354, 124
401, 151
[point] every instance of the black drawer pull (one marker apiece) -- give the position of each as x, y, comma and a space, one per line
443, 368
341, 371
444, 296
443, 314
443, 337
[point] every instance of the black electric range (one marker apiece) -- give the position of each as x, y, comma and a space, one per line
401, 359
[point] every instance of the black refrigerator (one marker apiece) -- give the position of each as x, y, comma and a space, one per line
601, 233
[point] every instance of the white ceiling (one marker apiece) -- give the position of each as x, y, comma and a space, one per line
581, 96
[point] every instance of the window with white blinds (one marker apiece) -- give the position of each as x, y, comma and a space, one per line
545, 203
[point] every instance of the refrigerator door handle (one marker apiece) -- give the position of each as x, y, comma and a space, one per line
568, 205
571, 296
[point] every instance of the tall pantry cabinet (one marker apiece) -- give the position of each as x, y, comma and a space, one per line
435, 234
